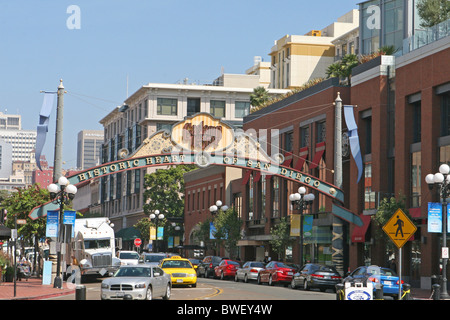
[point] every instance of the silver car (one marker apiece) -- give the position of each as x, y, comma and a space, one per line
140, 282
249, 271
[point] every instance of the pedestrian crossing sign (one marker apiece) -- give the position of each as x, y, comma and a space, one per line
399, 228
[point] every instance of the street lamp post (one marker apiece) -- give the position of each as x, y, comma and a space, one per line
216, 207
301, 201
60, 194
156, 216
442, 180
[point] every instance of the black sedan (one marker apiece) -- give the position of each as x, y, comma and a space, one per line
314, 275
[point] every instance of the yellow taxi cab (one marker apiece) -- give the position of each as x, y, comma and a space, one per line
181, 271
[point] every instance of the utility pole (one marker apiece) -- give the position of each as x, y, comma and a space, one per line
57, 172
57, 167
337, 242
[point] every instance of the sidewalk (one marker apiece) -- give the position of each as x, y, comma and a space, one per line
33, 289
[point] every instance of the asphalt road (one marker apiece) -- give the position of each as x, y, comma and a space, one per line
213, 289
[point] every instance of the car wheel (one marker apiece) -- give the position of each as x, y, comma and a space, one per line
194, 285
222, 276
236, 279
259, 279
245, 278
293, 284
270, 281
305, 285
168, 292
149, 294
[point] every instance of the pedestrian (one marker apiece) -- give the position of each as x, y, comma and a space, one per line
393, 265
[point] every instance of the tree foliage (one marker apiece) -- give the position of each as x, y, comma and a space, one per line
228, 228
433, 12
19, 204
281, 238
259, 97
164, 191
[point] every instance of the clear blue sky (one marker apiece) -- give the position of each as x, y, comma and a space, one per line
146, 40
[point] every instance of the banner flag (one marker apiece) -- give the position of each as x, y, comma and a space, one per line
353, 138
42, 128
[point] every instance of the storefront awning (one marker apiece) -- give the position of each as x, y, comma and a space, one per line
359, 233
5, 233
128, 234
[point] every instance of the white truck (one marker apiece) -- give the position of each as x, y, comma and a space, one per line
93, 247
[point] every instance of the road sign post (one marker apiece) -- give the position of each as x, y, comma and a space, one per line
399, 229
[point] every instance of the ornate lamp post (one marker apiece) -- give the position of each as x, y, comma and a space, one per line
215, 208
300, 201
60, 194
156, 217
442, 181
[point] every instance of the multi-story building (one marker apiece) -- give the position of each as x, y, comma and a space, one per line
158, 106
89, 148
297, 59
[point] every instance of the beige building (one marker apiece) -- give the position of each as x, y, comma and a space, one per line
297, 59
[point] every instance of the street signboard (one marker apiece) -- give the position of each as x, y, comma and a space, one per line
137, 242
21, 221
399, 228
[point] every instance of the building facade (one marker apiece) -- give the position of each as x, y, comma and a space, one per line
155, 107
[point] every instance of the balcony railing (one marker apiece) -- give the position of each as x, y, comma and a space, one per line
427, 36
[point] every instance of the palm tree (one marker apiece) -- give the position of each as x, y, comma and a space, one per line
343, 68
259, 97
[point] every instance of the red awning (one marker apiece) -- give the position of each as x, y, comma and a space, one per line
246, 177
303, 155
287, 159
359, 233
320, 149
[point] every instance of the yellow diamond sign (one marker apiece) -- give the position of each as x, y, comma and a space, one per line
399, 228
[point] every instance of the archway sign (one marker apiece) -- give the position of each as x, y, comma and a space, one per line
205, 140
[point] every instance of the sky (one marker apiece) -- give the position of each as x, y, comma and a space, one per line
104, 50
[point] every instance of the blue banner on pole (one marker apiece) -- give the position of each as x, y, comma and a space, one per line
51, 229
434, 217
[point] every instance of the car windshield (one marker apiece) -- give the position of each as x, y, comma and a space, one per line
381, 271
154, 258
97, 243
133, 272
324, 268
233, 262
176, 264
129, 255
282, 265
257, 264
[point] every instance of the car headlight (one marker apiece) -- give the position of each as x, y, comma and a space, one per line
191, 275
105, 286
139, 285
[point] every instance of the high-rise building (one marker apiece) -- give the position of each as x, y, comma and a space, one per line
89, 148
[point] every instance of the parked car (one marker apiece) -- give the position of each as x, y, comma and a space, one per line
206, 267
195, 262
226, 269
276, 271
378, 275
181, 271
153, 258
314, 275
140, 282
128, 257
249, 271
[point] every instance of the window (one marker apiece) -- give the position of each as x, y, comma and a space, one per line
217, 108
288, 141
275, 197
445, 115
369, 195
167, 106
241, 109
193, 106
416, 122
321, 131
304, 138
416, 181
